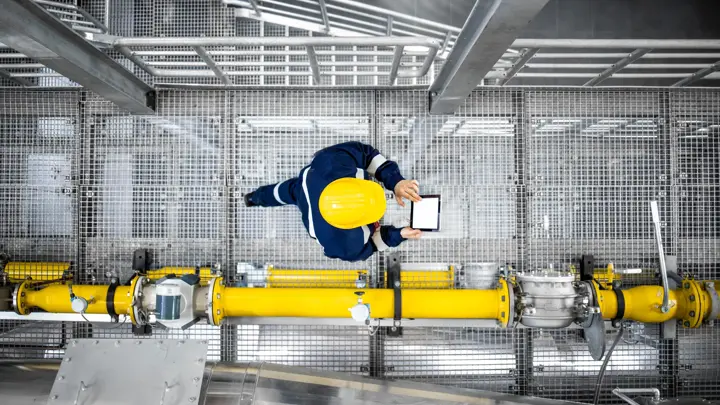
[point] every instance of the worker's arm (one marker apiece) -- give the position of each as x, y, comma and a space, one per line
345, 158
361, 243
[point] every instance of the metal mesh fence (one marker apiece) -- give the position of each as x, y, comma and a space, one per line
529, 178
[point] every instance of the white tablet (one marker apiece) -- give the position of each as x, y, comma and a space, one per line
425, 215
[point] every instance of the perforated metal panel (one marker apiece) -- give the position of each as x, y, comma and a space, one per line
529, 177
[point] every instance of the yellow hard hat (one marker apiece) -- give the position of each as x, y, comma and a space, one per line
348, 203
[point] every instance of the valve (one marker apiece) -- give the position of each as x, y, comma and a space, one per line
79, 304
360, 312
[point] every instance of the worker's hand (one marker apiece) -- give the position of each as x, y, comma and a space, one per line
410, 233
409, 189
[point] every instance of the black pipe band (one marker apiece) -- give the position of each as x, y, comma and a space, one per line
110, 300
620, 304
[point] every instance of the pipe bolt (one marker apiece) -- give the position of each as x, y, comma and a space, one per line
687, 286
686, 324
692, 314
692, 297
55, 397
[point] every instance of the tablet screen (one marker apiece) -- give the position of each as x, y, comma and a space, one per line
425, 215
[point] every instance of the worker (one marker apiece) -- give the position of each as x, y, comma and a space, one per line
341, 208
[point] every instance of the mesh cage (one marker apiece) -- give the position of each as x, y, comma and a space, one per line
530, 178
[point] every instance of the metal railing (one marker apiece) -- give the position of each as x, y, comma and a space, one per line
162, 50
17, 67
638, 59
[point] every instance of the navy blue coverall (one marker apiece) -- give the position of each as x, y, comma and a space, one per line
351, 159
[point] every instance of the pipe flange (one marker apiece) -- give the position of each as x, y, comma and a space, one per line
507, 304
694, 304
715, 301
138, 315
18, 299
215, 312
592, 302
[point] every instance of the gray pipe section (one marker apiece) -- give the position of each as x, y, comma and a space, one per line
25, 383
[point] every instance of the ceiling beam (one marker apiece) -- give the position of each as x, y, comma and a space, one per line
702, 73
489, 31
30, 29
621, 64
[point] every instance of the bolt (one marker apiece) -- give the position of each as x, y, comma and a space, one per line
200, 360
692, 314
54, 397
397, 284
22, 294
137, 342
62, 377
75, 342
692, 297
196, 379
393, 329
218, 312
687, 286
97, 342
192, 399
686, 324
217, 296
68, 359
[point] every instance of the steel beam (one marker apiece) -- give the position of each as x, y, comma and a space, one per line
202, 53
395, 64
19, 80
519, 64
622, 63
698, 75
489, 31
30, 29
314, 67
323, 12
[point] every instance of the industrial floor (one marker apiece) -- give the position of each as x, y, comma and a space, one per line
531, 178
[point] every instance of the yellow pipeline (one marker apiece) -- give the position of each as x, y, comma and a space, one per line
289, 278
37, 271
56, 298
427, 279
205, 273
335, 303
296, 278
690, 303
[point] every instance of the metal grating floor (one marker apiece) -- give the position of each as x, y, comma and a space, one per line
533, 178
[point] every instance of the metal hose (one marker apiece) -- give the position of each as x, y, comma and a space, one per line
601, 374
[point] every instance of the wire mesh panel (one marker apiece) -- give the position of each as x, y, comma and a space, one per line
336, 348
479, 358
595, 161
468, 159
38, 136
696, 149
153, 182
275, 134
562, 366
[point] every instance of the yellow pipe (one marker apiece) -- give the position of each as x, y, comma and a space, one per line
56, 298
335, 303
297, 278
205, 273
690, 303
37, 271
427, 279
288, 278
